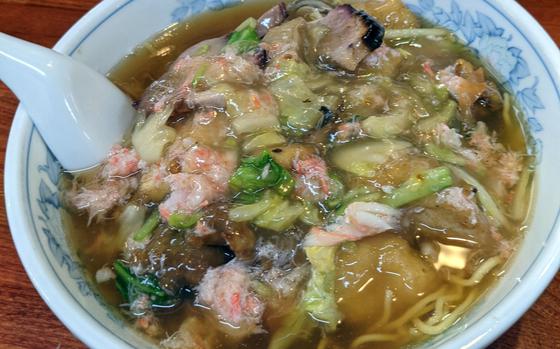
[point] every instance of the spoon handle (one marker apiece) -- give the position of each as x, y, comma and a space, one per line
79, 113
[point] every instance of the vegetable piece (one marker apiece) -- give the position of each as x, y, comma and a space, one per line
386, 126
318, 298
417, 187
130, 222
130, 286
360, 194
430, 92
520, 200
300, 108
151, 135
263, 140
261, 172
391, 34
311, 214
245, 37
297, 325
198, 78
249, 212
445, 116
183, 221
363, 158
444, 154
148, 227
280, 217
486, 200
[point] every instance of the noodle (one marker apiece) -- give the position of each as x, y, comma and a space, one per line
479, 274
448, 320
386, 310
417, 310
438, 312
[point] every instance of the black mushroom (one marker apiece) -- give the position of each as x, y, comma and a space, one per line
349, 37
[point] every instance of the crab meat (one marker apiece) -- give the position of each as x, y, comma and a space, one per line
360, 219
313, 181
226, 291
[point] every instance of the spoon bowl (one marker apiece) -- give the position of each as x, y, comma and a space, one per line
79, 113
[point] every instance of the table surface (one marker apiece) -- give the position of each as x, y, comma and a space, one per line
26, 321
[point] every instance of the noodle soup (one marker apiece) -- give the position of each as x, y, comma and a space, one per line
303, 175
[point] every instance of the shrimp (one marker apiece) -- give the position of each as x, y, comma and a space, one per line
227, 292
360, 219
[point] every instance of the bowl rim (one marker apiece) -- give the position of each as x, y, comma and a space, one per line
491, 325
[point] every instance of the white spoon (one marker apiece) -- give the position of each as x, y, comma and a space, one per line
79, 113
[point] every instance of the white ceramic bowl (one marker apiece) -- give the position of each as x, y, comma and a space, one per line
506, 36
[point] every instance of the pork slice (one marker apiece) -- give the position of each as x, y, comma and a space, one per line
271, 18
350, 37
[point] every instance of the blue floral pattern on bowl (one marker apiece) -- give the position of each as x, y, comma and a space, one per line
188, 8
481, 33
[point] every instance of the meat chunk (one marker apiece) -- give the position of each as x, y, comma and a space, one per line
383, 61
189, 76
271, 18
226, 290
451, 217
464, 83
202, 177
113, 184
360, 219
351, 35
174, 260
285, 39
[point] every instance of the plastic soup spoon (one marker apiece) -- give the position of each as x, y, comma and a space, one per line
79, 113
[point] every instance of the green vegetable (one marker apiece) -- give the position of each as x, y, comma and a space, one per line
444, 154
151, 135
263, 140
296, 325
245, 38
148, 227
445, 116
363, 158
391, 34
486, 200
183, 221
280, 217
130, 285
249, 212
198, 78
202, 50
359, 194
300, 108
387, 126
419, 186
430, 92
261, 172
318, 298
311, 214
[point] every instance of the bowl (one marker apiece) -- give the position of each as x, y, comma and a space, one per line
509, 40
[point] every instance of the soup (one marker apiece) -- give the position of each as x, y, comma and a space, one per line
303, 176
